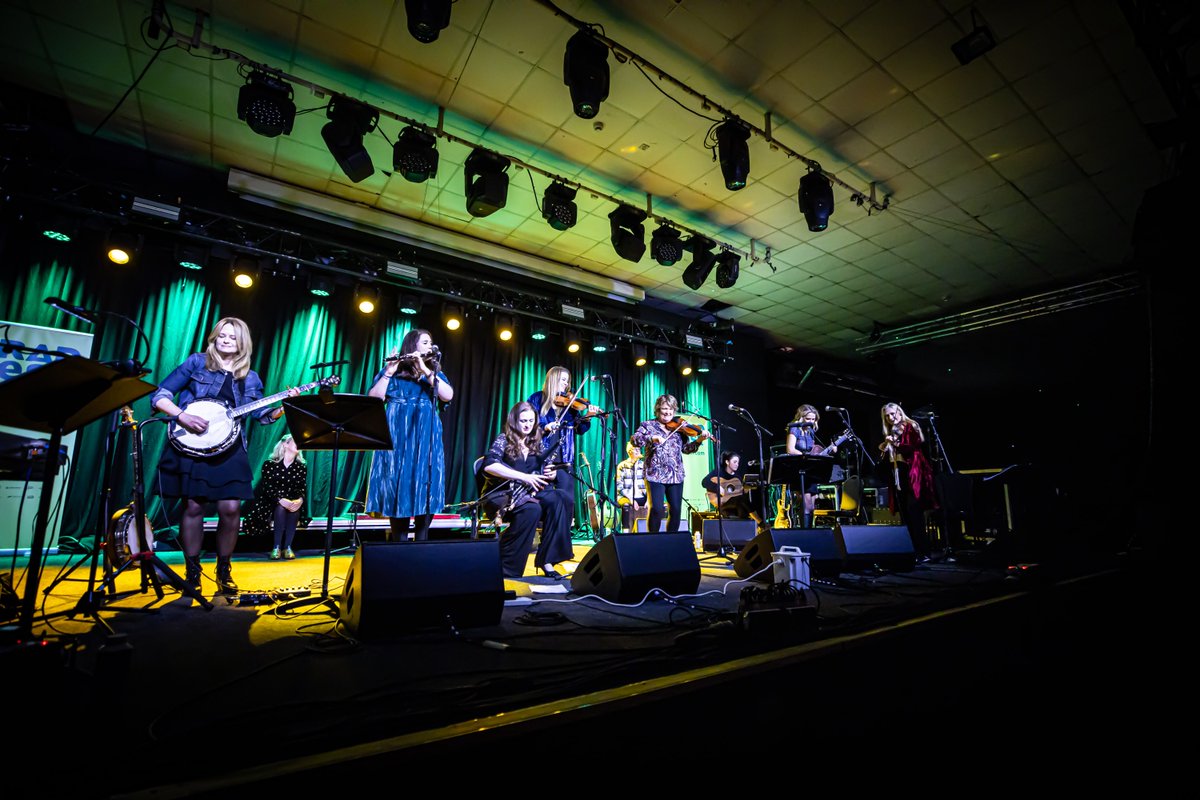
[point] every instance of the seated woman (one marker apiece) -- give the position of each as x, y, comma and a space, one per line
279, 497
724, 487
517, 456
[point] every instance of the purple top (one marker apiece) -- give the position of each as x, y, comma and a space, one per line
664, 462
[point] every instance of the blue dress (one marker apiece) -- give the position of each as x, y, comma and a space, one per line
409, 479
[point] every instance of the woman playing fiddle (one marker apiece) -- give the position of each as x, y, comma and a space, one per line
409, 481
666, 438
550, 403
901, 445
519, 456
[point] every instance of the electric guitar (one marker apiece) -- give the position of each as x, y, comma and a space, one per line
224, 423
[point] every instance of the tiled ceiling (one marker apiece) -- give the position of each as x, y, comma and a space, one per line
1020, 170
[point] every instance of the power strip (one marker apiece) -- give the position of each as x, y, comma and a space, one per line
293, 591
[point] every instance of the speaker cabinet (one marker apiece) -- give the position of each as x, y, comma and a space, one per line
738, 532
824, 544
885, 546
623, 567
405, 586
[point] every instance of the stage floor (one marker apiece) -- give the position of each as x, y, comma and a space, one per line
195, 702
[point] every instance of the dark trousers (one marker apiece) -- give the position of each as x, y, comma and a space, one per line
673, 493
285, 526
554, 508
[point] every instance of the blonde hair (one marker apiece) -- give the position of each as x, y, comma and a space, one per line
904, 418
277, 453
804, 409
666, 401
550, 387
240, 363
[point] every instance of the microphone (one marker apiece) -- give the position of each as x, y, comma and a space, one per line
834, 408
603, 377
78, 312
324, 364
737, 409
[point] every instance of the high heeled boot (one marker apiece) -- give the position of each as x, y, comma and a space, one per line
225, 582
191, 574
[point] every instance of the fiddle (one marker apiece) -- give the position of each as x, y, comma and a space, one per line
580, 405
686, 427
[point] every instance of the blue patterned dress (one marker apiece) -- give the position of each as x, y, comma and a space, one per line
409, 479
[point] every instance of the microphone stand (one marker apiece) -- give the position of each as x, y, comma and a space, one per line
611, 465
759, 430
724, 546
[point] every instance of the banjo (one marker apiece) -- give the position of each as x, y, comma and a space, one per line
224, 423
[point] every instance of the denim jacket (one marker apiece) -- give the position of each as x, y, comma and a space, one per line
191, 380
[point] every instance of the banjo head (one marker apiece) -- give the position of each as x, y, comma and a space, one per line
222, 431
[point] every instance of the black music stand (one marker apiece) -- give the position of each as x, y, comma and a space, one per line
799, 470
335, 422
59, 398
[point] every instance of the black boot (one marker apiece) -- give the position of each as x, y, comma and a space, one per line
225, 582
191, 575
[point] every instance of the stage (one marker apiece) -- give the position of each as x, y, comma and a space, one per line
954, 657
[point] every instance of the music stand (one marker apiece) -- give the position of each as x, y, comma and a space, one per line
57, 399
798, 470
335, 422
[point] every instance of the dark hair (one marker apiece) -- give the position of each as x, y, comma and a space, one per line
728, 454
409, 345
512, 435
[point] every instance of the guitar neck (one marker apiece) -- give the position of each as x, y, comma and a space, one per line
242, 411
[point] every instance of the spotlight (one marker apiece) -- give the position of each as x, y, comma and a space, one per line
974, 44
639, 355
660, 355
265, 104
320, 285
427, 18
537, 331
349, 122
558, 206
702, 261
504, 327
704, 365
628, 233
122, 246
572, 340
487, 185
60, 229
600, 343
585, 72
665, 246
684, 362
816, 200
245, 271
191, 256
728, 267
409, 304
734, 153
415, 155
366, 298
452, 316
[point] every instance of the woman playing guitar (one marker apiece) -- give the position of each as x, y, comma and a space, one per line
221, 372
802, 440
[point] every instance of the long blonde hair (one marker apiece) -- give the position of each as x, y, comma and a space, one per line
550, 388
904, 418
804, 409
277, 453
240, 364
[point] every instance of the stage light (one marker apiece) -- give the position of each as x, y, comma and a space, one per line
974, 44
558, 206
816, 200
572, 338
122, 246
427, 18
191, 256
415, 155
320, 285
349, 122
702, 262
366, 298
660, 355
537, 331
684, 362
639, 355
452, 316
600, 343
486, 183
728, 268
734, 153
504, 327
628, 234
585, 72
265, 104
245, 271
704, 365
665, 246
409, 304
60, 229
